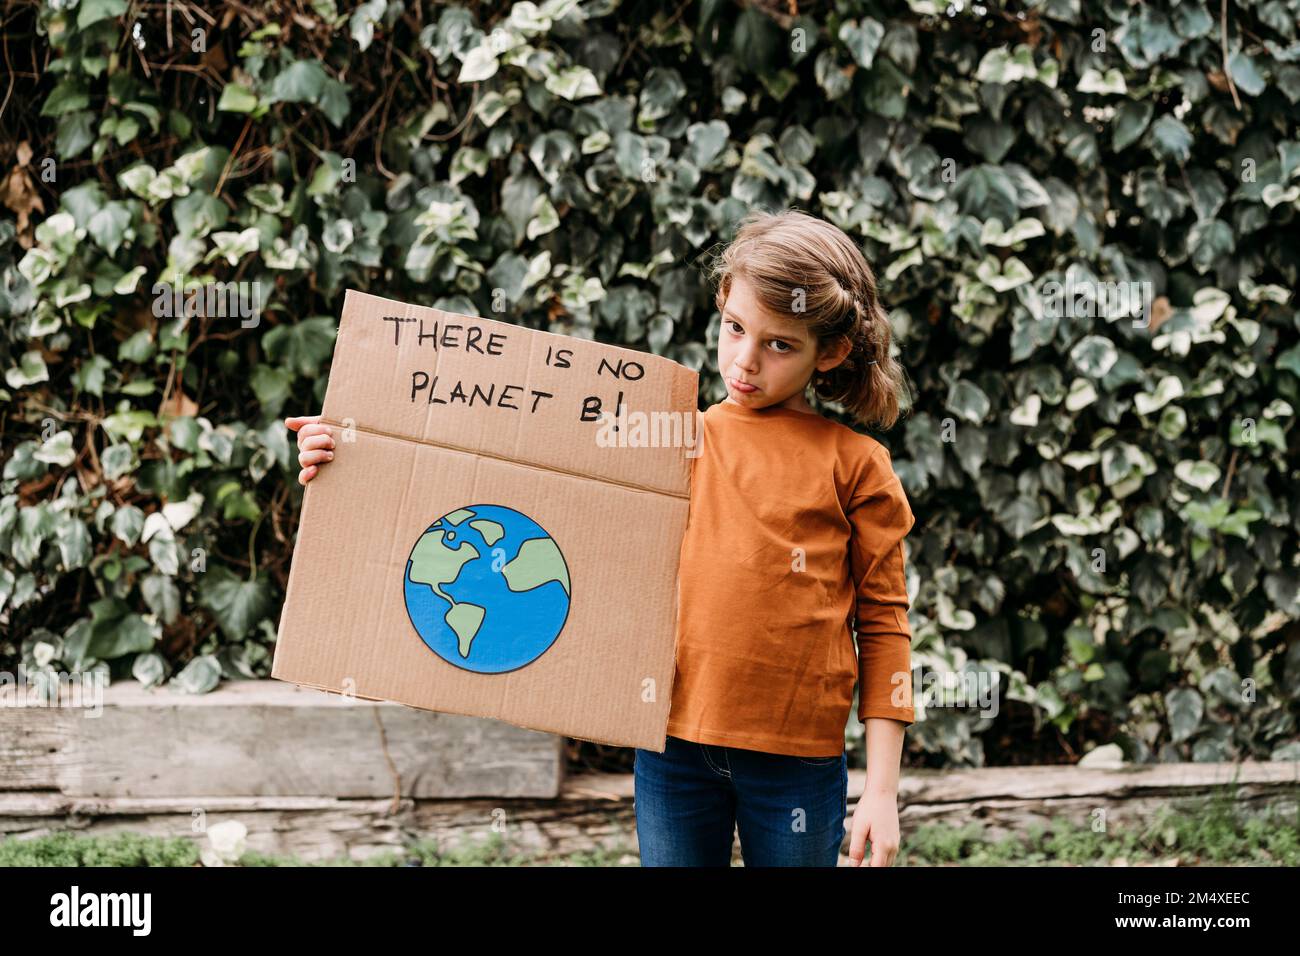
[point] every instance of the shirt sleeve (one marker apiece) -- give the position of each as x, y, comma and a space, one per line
881, 517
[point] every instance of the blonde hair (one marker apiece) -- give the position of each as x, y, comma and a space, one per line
785, 254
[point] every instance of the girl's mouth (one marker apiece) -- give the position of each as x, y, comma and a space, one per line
741, 387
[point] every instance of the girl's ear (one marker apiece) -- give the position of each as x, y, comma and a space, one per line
833, 353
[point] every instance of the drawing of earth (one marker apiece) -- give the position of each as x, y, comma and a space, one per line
487, 589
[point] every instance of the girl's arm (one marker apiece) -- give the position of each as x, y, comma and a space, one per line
876, 816
881, 518
884, 755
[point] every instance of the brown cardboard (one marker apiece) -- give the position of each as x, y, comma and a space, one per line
411, 449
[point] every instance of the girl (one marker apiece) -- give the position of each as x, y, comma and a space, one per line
794, 540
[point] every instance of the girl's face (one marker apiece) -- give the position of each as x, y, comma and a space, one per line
774, 355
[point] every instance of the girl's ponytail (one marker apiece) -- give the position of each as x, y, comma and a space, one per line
868, 382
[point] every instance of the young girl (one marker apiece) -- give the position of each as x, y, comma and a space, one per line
794, 540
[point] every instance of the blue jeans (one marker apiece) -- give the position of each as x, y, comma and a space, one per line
693, 797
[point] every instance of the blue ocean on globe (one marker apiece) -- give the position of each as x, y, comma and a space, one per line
487, 589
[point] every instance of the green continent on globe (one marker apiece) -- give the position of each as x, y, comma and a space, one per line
491, 531
435, 564
538, 562
465, 620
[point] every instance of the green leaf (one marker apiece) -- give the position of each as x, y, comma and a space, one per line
552, 153
127, 523
108, 226
968, 401
1094, 355
76, 131
117, 631
480, 64
149, 669
1199, 474
1131, 121
1209, 241
236, 503
364, 20
862, 40
989, 138
57, 450
1146, 38
137, 347
573, 83
301, 82
236, 605
162, 596
992, 234
1245, 74
1008, 275
237, 99
1019, 515
30, 370
89, 376
162, 552
68, 96
754, 40
117, 460
1110, 82
1191, 20
1169, 388
1157, 200
706, 142
200, 675
1170, 139
334, 102
302, 348
660, 332
1186, 708
73, 542
92, 11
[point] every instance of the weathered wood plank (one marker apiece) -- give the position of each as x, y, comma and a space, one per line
270, 738
33, 746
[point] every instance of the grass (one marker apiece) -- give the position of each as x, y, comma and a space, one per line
123, 849
1212, 831
131, 849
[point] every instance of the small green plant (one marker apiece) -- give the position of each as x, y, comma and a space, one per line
1213, 830
121, 849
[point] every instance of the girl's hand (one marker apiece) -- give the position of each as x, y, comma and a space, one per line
315, 444
876, 819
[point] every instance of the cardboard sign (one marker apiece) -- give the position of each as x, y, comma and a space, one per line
499, 531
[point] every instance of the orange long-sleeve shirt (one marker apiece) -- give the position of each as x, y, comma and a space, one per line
794, 540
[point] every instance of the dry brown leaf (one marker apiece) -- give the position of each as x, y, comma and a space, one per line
1160, 311
19, 194
178, 405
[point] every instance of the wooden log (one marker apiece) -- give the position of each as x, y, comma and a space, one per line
269, 738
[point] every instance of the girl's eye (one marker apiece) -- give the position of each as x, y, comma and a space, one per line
785, 346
